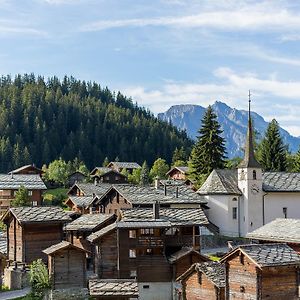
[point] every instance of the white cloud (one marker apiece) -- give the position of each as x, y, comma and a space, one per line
17, 27
233, 89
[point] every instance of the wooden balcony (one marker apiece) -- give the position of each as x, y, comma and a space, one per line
181, 240
150, 241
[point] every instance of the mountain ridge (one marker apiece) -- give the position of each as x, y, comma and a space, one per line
233, 122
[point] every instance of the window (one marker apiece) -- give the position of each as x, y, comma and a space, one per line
34, 203
146, 286
149, 251
133, 273
284, 209
147, 231
132, 253
254, 174
132, 234
234, 199
29, 193
234, 213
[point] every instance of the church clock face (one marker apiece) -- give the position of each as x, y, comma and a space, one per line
254, 189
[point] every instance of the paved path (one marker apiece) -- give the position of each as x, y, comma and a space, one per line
14, 294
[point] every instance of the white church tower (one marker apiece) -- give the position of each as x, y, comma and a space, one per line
250, 184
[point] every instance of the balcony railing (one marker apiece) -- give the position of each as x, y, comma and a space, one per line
150, 241
182, 240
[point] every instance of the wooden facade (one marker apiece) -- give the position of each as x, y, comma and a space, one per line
28, 169
75, 177
112, 177
178, 173
67, 266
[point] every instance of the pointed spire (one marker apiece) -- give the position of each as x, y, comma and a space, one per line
249, 160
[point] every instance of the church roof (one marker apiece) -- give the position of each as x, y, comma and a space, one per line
225, 182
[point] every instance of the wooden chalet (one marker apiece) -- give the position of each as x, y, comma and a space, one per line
278, 231
10, 184
28, 169
262, 271
203, 281
113, 289
111, 176
121, 165
178, 173
144, 244
32, 229
66, 265
99, 171
76, 177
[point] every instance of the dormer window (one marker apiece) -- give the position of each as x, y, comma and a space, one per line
254, 174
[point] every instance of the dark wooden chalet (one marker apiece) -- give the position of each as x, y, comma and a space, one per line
76, 177
144, 244
178, 173
262, 272
279, 231
121, 165
203, 281
10, 184
66, 265
99, 171
111, 176
28, 169
113, 289
32, 229
81, 204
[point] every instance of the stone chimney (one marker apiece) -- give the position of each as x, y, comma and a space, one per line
165, 190
156, 182
156, 210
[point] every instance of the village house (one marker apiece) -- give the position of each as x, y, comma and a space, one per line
76, 177
178, 173
203, 281
10, 184
111, 176
245, 199
99, 171
119, 166
261, 272
147, 244
66, 265
278, 231
30, 230
28, 169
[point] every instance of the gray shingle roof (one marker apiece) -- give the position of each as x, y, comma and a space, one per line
114, 288
126, 165
39, 214
182, 253
3, 243
281, 182
24, 168
220, 182
90, 188
181, 169
60, 246
100, 233
82, 201
99, 170
213, 271
267, 255
88, 222
29, 181
176, 216
279, 230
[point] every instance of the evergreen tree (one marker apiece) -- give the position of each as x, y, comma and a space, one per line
22, 198
272, 152
209, 151
179, 155
144, 177
105, 162
159, 169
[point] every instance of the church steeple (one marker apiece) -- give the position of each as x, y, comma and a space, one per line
249, 160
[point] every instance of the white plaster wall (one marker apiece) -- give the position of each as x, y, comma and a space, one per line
220, 213
156, 291
274, 203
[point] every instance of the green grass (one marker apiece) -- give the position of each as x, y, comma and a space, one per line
55, 197
214, 258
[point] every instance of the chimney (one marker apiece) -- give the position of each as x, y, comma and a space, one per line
165, 189
156, 210
12, 175
156, 182
229, 245
91, 210
177, 192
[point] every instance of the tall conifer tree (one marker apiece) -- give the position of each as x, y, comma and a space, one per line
272, 151
209, 150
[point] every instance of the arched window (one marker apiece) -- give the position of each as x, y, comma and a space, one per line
254, 174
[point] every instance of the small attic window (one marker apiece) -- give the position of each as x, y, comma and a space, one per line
254, 174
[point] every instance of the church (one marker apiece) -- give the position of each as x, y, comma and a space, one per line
246, 198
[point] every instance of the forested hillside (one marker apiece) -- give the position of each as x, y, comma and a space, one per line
43, 120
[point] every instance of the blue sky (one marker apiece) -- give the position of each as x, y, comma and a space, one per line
164, 52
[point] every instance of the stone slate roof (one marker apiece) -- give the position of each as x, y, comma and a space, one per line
82, 201
24, 168
14, 182
100, 233
88, 222
111, 171
60, 246
268, 255
125, 165
90, 188
220, 182
175, 216
281, 182
183, 252
3, 243
181, 169
226, 182
113, 288
39, 214
99, 170
279, 230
